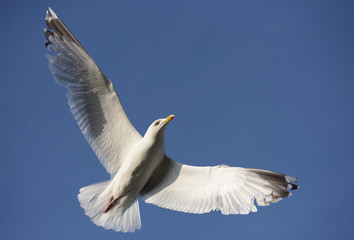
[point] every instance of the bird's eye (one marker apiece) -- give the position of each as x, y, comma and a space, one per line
157, 123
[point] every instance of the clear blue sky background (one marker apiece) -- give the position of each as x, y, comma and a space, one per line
261, 84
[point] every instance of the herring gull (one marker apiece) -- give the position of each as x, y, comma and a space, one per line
138, 164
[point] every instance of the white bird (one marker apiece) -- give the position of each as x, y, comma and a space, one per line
138, 165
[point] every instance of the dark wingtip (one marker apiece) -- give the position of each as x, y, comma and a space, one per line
60, 31
293, 186
48, 34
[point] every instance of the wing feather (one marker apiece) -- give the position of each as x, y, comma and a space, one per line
232, 190
91, 96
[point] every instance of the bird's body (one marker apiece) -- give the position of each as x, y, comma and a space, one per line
139, 166
134, 173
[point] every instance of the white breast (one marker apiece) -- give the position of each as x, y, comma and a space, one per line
137, 169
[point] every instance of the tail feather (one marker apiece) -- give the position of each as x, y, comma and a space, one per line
93, 198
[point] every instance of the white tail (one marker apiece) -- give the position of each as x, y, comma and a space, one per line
93, 199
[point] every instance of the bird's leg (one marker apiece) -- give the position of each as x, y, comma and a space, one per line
109, 204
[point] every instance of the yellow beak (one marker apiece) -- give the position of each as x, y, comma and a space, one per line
169, 118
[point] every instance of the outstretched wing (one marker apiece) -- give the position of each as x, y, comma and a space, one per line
91, 96
232, 190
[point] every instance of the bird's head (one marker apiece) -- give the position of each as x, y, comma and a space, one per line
158, 127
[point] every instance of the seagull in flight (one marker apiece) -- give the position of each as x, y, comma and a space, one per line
139, 166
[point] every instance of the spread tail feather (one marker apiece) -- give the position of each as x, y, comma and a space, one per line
93, 199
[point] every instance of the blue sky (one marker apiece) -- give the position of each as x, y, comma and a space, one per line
261, 84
